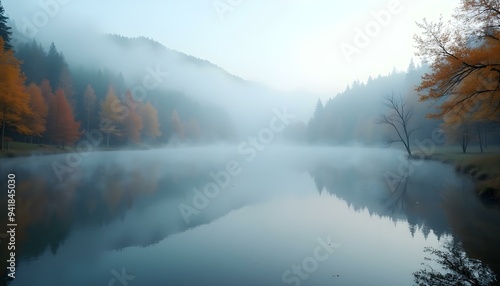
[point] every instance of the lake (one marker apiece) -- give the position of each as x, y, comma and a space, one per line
212, 216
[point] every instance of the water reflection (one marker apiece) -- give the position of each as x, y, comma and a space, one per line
99, 192
445, 204
118, 206
456, 268
397, 201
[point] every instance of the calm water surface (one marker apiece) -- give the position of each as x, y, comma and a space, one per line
211, 216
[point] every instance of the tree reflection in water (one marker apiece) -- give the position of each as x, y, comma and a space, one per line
398, 199
456, 268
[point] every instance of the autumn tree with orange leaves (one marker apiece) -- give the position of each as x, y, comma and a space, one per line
36, 121
464, 57
14, 101
61, 125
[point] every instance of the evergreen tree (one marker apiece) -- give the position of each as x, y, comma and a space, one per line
56, 65
33, 58
411, 67
89, 104
316, 123
119, 84
5, 30
67, 85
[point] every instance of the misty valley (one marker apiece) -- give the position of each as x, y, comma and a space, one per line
257, 143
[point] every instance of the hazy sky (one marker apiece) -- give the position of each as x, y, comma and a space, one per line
288, 44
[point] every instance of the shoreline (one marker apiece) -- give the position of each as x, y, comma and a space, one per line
15, 153
36, 150
482, 168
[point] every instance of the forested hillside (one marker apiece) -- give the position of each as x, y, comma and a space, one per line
62, 104
352, 116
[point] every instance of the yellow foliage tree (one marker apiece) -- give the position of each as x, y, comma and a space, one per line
112, 114
132, 124
465, 62
14, 101
132, 121
150, 121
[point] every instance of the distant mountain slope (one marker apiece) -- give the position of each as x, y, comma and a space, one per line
250, 105
131, 43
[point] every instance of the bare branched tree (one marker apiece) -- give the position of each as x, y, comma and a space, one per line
456, 268
399, 117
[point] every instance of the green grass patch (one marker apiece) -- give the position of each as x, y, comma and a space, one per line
20, 149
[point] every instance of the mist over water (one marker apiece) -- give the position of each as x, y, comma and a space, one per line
125, 209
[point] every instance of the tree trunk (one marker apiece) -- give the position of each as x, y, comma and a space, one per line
408, 150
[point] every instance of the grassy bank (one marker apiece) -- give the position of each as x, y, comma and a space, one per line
483, 168
19, 149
